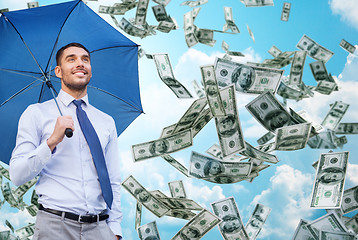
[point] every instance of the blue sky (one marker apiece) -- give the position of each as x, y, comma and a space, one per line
285, 187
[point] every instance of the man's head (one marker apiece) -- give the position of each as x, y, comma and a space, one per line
73, 67
242, 77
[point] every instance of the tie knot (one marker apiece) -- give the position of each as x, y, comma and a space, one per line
78, 102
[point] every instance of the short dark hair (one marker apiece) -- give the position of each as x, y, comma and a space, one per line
73, 44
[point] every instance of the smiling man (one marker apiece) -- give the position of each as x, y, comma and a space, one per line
79, 184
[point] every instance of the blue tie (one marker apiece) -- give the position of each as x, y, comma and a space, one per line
96, 151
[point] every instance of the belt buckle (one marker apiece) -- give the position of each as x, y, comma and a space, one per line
79, 219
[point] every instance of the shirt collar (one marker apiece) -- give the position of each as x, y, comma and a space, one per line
66, 98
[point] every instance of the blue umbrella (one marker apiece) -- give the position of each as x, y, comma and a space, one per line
28, 44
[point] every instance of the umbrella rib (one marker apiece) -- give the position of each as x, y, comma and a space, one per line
116, 97
19, 92
21, 73
112, 47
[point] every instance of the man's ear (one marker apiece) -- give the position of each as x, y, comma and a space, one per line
58, 72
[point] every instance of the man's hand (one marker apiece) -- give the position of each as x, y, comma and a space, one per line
119, 237
58, 134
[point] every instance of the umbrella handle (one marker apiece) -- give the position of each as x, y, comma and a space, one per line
68, 132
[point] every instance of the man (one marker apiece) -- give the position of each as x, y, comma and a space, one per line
243, 77
72, 204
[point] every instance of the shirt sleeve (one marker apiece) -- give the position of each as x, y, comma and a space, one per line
29, 156
113, 166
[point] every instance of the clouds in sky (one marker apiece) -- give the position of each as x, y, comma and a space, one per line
348, 10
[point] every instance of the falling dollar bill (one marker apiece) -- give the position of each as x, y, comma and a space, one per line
335, 115
177, 189
160, 13
26, 231
7, 223
32, 4
4, 172
250, 33
313, 49
252, 152
163, 2
189, 28
180, 203
204, 117
316, 126
231, 226
268, 147
347, 46
172, 161
8, 194
215, 151
148, 231
194, 3
32, 209
329, 181
350, 200
347, 128
230, 24
297, 65
212, 91
325, 87
257, 220
285, 11
290, 91
228, 128
330, 222
292, 137
141, 13
265, 138
319, 70
138, 215
259, 3
352, 224
323, 234
21, 190
302, 232
247, 79
132, 30
165, 72
142, 195
274, 51
198, 226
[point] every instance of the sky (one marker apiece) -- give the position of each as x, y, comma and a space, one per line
285, 187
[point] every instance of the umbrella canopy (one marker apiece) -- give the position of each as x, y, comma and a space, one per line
28, 44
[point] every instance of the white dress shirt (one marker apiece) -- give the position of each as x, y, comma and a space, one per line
68, 179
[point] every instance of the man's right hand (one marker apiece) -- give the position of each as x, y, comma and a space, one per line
58, 134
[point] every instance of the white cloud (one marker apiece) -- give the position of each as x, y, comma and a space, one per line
348, 10
352, 173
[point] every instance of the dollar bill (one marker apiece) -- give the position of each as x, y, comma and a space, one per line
231, 227
198, 226
252, 152
148, 231
347, 128
190, 116
165, 72
177, 189
189, 29
163, 2
194, 3
111, 10
313, 49
143, 196
269, 112
26, 231
180, 203
347, 46
181, 214
4, 10
168, 131
297, 65
292, 137
290, 91
204, 117
250, 33
198, 90
205, 36
21, 190
329, 181
165, 26
268, 147
4, 172
32, 4
258, 3
172, 161
325, 140
160, 13
350, 200
285, 11
302, 232
247, 79
230, 24
335, 115
32, 209
7, 223
274, 51
337, 211
324, 235
319, 70
130, 29
325, 87
141, 52
138, 215
225, 46
228, 128
212, 92
352, 224
265, 138
141, 13
330, 222
257, 220
162, 146
34, 198
215, 151
8, 194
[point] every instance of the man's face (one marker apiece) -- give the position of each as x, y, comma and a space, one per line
225, 125
211, 90
279, 120
189, 233
215, 168
232, 224
313, 49
74, 68
256, 223
160, 146
244, 79
332, 177
143, 195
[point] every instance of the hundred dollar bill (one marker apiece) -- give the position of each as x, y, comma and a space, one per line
252, 152
165, 72
162, 146
225, 46
132, 30
8, 194
285, 11
205, 36
274, 51
198, 226
32, 210
158, 194
231, 227
176, 164
347, 128
177, 189
111, 10
32, 4
181, 214
141, 13
26, 231
190, 116
4, 172
335, 115
257, 220
347, 46
180, 203
352, 224
350, 200
337, 211
313, 49
247, 79
265, 138
193, 3
160, 13
302, 232
34, 198
215, 151
138, 215
330, 222
204, 117
165, 26
147, 199
259, 3
290, 91
292, 137
7, 223
319, 70
326, 140
230, 21
163, 2
5, 235
189, 28
4, 10
212, 91
148, 231
250, 33
297, 65
269, 112
325, 87
325, 235
329, 181
228, 128
168, 131
268, 147
199, 91
21, 190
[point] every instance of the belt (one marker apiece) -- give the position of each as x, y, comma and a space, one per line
79, 218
